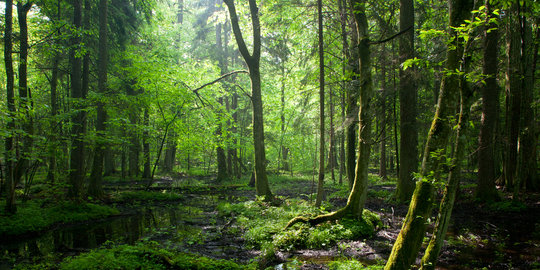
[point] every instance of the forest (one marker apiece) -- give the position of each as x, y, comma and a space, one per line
269, 134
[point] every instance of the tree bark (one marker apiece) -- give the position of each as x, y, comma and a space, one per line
407, 97
96, 178
10, 100
320, 183
253, 63
486, 190
76, 173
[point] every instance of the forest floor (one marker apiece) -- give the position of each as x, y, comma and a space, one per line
501, 235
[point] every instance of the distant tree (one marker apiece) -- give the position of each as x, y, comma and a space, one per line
10, 100
320, 184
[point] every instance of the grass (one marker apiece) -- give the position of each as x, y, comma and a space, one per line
34, 216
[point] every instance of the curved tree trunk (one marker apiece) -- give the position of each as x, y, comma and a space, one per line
253, 61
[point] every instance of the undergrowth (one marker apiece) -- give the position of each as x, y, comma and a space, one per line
263, 225
34, 216
144, 255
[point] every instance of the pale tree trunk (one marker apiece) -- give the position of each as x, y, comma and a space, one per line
253, 63
222, 172
96, 178
146, 146
320, 183
407, 245
407, 98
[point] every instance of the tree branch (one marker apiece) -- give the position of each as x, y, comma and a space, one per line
392, 37
219, 79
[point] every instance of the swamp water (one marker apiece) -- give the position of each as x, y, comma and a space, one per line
191, 225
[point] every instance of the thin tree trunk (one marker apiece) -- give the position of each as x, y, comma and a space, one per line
320, 183
146, 146
10, 100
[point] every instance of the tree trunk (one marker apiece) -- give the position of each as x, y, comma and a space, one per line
96, 178
382, 119
407, 97
513, 100
76, 173
527, 139
486, 190
253, 63
10, 100
25, 102
412, 232
320, 183
146, 146
222, 171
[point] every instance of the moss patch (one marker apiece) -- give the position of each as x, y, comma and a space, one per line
32, 216
144, 255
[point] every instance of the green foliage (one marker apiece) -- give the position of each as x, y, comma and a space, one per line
352, 264
147, 196
507, 206
144, 255
263, 225
33, 216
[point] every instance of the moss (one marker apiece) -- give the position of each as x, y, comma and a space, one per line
33, 217
144, 255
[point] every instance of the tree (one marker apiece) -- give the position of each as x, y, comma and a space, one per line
253, 62
486, 190
320, 184
10, 100
407, 96
358, 194
407, 245
96, 177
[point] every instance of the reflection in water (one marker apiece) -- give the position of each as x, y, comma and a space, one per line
76, 238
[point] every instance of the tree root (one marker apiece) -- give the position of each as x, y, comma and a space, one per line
320, 218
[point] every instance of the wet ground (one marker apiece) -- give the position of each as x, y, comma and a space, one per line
478, 237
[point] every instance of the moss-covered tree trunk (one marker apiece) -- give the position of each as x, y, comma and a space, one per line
407, 245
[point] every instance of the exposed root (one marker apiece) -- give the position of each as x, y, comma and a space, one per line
319, 219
